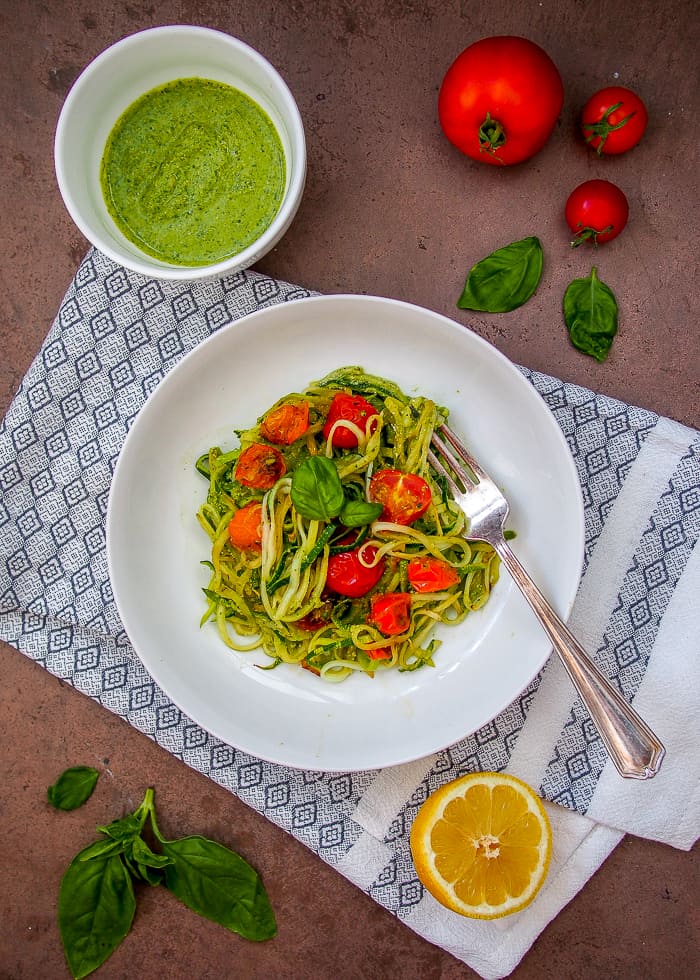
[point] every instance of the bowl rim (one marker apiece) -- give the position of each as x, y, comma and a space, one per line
234, 263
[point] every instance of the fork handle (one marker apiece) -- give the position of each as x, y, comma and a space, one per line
634, 749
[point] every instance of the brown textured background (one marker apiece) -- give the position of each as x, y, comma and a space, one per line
391, 209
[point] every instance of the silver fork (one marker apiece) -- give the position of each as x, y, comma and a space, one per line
634, 749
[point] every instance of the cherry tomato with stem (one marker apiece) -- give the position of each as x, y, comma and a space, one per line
348, 408
260, 467
404, 496
428, 574
500, 99
348, 576
286, 423
613, 120
391, 613
596, 211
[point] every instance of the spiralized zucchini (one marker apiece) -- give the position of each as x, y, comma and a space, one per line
274, 597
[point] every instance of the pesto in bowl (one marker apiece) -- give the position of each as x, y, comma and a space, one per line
193, 172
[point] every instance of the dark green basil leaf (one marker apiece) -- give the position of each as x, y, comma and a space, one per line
124, 828
73, 787
317, 492
102, 849
96, 907
357, 513
144, 863
219, 885
590, 313
505, 279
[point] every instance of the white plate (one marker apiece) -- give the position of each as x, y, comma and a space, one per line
155, 544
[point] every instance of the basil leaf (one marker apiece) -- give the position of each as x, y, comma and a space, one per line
102, 849
505, 279
219, 885
590, 313
317, 492
96, 907
357, 513
128, 826
73, 787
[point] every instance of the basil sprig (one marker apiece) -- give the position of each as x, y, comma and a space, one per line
96, 900
318, 494
505, 279
590, 313
73, 787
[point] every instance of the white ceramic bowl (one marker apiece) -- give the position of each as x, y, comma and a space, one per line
288, 715
119, 76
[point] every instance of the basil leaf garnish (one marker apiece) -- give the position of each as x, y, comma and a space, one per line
357, 513
96, 907
505, 279
219, 885
590, 313
73, 787
317, 492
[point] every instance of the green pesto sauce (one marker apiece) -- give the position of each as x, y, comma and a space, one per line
193, 172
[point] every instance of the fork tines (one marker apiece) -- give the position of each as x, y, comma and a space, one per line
467, 477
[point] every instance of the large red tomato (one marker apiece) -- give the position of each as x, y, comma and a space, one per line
500, 100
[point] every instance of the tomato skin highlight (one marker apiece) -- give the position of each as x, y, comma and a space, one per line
352, 408
286, 423
245, 527
613, 120
500, 100
427, 574
596, 211
391, 613
349, 577
404, 496
260, 467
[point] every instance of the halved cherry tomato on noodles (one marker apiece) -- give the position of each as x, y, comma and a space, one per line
404, 496
350, 408
391, 613
428, 574
260, 466
382, 653
613, 120
286, 423
245, 528
349, 577
316, 619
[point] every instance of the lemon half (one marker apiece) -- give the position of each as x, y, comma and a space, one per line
481, 844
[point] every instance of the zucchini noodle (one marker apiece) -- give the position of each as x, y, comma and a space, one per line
273, 595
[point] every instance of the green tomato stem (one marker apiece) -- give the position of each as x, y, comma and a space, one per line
491, 134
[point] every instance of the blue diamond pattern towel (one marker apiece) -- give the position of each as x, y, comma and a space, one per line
115, 337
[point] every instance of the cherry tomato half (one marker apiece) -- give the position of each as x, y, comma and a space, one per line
596, 211
427, 574
404, 496
351, 408
500, 100
349, 577
260, 466
245, 527
613, 120
391, 613
286, 423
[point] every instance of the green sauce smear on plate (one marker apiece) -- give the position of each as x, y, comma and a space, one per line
193, 172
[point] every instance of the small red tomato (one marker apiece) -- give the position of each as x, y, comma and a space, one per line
245, 527
286, 423
260, 466
613, 120
596, 211
349, 577
350, 408
427, 574
404, 496
316, 619
391, 613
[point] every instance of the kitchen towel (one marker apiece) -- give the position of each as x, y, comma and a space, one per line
115, 336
